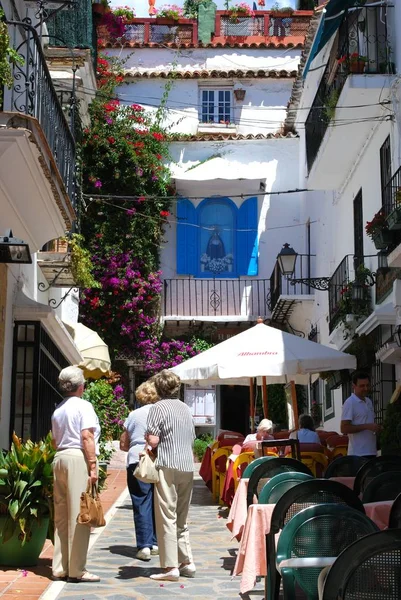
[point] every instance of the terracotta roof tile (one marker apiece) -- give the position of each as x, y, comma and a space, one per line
213, 74
208, 137
280, 43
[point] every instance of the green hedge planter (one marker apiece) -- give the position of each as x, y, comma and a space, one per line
394, 219
12, 554
382, 239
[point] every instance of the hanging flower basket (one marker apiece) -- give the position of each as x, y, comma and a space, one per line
382, 239
394, 219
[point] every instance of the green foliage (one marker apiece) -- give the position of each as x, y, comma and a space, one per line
26, 485
110, 407
191, 7
277, 403
200, 344
389, 436
81, 263
8, 56
331, 104
201, 443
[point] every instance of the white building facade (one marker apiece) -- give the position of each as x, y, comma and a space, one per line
347, 116
38, 203
235, 167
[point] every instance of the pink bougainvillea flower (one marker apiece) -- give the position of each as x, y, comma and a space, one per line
131, 212
98, 183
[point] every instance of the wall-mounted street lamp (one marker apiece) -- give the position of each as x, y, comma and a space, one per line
287, 259
14, 250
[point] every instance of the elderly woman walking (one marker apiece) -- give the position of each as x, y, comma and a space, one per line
170, 428
76, 431
133, 441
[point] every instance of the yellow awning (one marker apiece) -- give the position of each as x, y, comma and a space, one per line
96, 359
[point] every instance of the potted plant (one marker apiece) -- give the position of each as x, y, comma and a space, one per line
125, 13
394, 218
168, 14
26, 500
378, 231
238, 11
357, 62
355, 301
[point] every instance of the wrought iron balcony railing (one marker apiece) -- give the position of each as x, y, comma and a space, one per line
375, 279
32, 93
362, 47
216, 297
392, 193
280, 285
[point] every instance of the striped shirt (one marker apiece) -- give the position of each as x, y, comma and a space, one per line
171, 421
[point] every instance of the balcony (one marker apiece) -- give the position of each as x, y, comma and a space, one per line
216, 299
292, 304
352, 297
392, 210
358, 71
38, 149
265, 27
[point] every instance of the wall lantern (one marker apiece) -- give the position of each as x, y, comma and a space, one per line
14, 250
287, 258
239, 94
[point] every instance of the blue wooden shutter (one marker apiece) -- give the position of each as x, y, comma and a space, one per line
247, 241
186, 238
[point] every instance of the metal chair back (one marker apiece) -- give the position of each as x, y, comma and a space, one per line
386, 486
345, 466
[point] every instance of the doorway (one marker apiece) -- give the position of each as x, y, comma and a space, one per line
234, 411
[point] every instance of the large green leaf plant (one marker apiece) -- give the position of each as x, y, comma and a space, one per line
26, 486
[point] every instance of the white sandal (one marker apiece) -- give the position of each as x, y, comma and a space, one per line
86, 578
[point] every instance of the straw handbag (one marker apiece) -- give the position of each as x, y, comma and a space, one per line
91, 510
146, 469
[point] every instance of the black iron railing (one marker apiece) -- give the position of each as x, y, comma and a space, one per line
362, 48
33, 94
371, 273
216, 297
280, 285
392, 193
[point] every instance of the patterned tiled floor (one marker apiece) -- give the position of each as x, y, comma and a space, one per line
124, 577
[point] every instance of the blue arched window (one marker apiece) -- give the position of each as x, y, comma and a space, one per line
217, 239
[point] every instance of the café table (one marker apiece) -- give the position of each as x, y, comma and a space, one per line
348, 481
238, 511
251, 558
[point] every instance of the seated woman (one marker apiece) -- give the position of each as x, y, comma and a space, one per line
263, 432
306, 433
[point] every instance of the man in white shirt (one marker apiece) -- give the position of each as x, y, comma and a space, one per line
358, 418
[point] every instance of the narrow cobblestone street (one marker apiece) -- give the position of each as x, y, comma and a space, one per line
124, 577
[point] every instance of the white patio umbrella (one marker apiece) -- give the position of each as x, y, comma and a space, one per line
264, 352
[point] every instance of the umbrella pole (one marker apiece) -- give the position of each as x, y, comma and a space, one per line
264, 395
251, 405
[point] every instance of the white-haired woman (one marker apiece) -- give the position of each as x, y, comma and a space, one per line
263, 432
76, 431
170, 428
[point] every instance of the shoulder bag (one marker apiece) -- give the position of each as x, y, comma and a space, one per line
146, 469
91, 510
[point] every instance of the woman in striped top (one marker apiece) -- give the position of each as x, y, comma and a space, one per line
170, 428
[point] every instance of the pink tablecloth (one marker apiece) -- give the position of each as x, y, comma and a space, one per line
379, 512
251, 558
348, 481
238, 511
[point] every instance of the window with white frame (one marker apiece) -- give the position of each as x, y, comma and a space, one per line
216, 106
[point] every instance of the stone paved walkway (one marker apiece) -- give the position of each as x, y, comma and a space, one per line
124, 577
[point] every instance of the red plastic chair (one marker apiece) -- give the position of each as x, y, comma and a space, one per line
229, 438
338, 445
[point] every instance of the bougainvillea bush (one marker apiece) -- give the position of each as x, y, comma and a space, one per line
129, 191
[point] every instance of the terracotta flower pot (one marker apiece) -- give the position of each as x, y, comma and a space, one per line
357, 66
